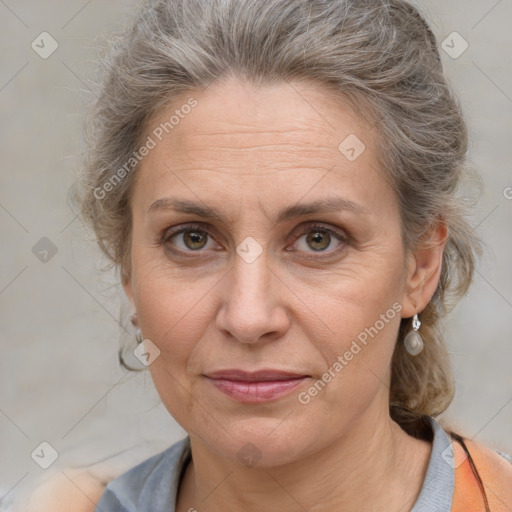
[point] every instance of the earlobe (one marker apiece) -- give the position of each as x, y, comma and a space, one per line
424, 270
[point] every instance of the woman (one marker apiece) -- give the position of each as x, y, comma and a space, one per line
275, 181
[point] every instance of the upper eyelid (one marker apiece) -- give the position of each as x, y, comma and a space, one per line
175, 230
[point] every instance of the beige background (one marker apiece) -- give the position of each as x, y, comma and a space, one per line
60, 380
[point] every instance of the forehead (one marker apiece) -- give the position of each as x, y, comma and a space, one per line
245, 140
305, 114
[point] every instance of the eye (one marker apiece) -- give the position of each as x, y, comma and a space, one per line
190, 238
318, 238
193, 238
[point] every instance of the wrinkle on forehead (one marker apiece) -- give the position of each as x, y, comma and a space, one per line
239, 136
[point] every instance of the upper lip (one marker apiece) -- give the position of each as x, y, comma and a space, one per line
255, 376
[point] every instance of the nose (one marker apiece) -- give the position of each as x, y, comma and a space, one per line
253, 310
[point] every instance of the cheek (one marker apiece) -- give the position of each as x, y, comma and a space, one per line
362, 309
172, 306
173, 312
352, 298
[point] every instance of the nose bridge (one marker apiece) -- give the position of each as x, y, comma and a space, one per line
251, 274
250, 309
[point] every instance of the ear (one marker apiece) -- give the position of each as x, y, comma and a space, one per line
424, 270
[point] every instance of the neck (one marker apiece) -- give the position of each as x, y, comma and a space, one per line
374, 466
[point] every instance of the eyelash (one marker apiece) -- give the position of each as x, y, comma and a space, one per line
304, 229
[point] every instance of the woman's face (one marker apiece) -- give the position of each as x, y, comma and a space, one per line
291, 266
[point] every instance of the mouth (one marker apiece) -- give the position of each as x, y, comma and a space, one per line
256, 387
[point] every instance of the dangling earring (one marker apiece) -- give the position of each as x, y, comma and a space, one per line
413, 341
134, 319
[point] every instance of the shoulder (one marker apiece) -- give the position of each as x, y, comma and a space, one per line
71, 490
494, 468
493, 462
129, 491
142, 473
63, 491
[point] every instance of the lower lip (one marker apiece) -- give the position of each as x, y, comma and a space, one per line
258, 391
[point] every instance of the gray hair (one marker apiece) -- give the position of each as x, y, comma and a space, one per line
378, 54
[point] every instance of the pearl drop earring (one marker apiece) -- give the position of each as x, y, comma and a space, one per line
413, 341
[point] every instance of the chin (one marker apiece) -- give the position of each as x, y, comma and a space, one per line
262, 441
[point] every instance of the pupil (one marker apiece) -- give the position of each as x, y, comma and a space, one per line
317, 238
195, 238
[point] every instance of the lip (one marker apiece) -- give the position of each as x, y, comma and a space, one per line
257, 386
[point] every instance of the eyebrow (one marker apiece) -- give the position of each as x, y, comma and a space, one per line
331, 204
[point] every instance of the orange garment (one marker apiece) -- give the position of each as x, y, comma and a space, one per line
495, 473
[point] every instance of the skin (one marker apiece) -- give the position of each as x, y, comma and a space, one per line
249, 153
63, 491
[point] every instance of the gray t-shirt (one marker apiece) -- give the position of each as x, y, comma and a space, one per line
153, 484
